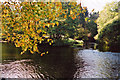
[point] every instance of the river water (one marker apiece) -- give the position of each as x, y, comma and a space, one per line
60, 62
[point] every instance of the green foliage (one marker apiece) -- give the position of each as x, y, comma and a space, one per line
24, 24
109, 12
110, 34
109, 22
28, 24
69, 23
92, 27
31, 24
94, 16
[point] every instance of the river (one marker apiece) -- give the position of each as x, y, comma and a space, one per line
60, 62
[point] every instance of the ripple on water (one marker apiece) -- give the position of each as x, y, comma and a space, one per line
20, 69
97, 64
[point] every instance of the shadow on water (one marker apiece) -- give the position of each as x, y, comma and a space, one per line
102, 47
60, 62
109, 48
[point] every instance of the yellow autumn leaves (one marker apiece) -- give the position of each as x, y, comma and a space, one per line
26, 26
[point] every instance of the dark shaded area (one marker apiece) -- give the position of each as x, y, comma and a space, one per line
58, 63
110, 36
111, 48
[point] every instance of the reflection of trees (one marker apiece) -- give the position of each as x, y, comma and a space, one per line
60, 65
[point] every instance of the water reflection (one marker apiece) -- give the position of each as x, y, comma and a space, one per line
61, 62
110, 48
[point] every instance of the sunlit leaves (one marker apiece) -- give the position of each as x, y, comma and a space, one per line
57, 23
106, 15
26, 24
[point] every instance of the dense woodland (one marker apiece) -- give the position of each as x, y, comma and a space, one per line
109, 23
32, 24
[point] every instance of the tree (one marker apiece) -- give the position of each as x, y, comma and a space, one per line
109, 12
28, 24
68, 22
24, 23
92, 27
109, 30
94, 16
110, 33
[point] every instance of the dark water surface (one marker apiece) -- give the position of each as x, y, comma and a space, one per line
60, 62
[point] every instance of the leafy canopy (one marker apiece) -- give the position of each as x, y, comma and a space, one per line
26, 24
